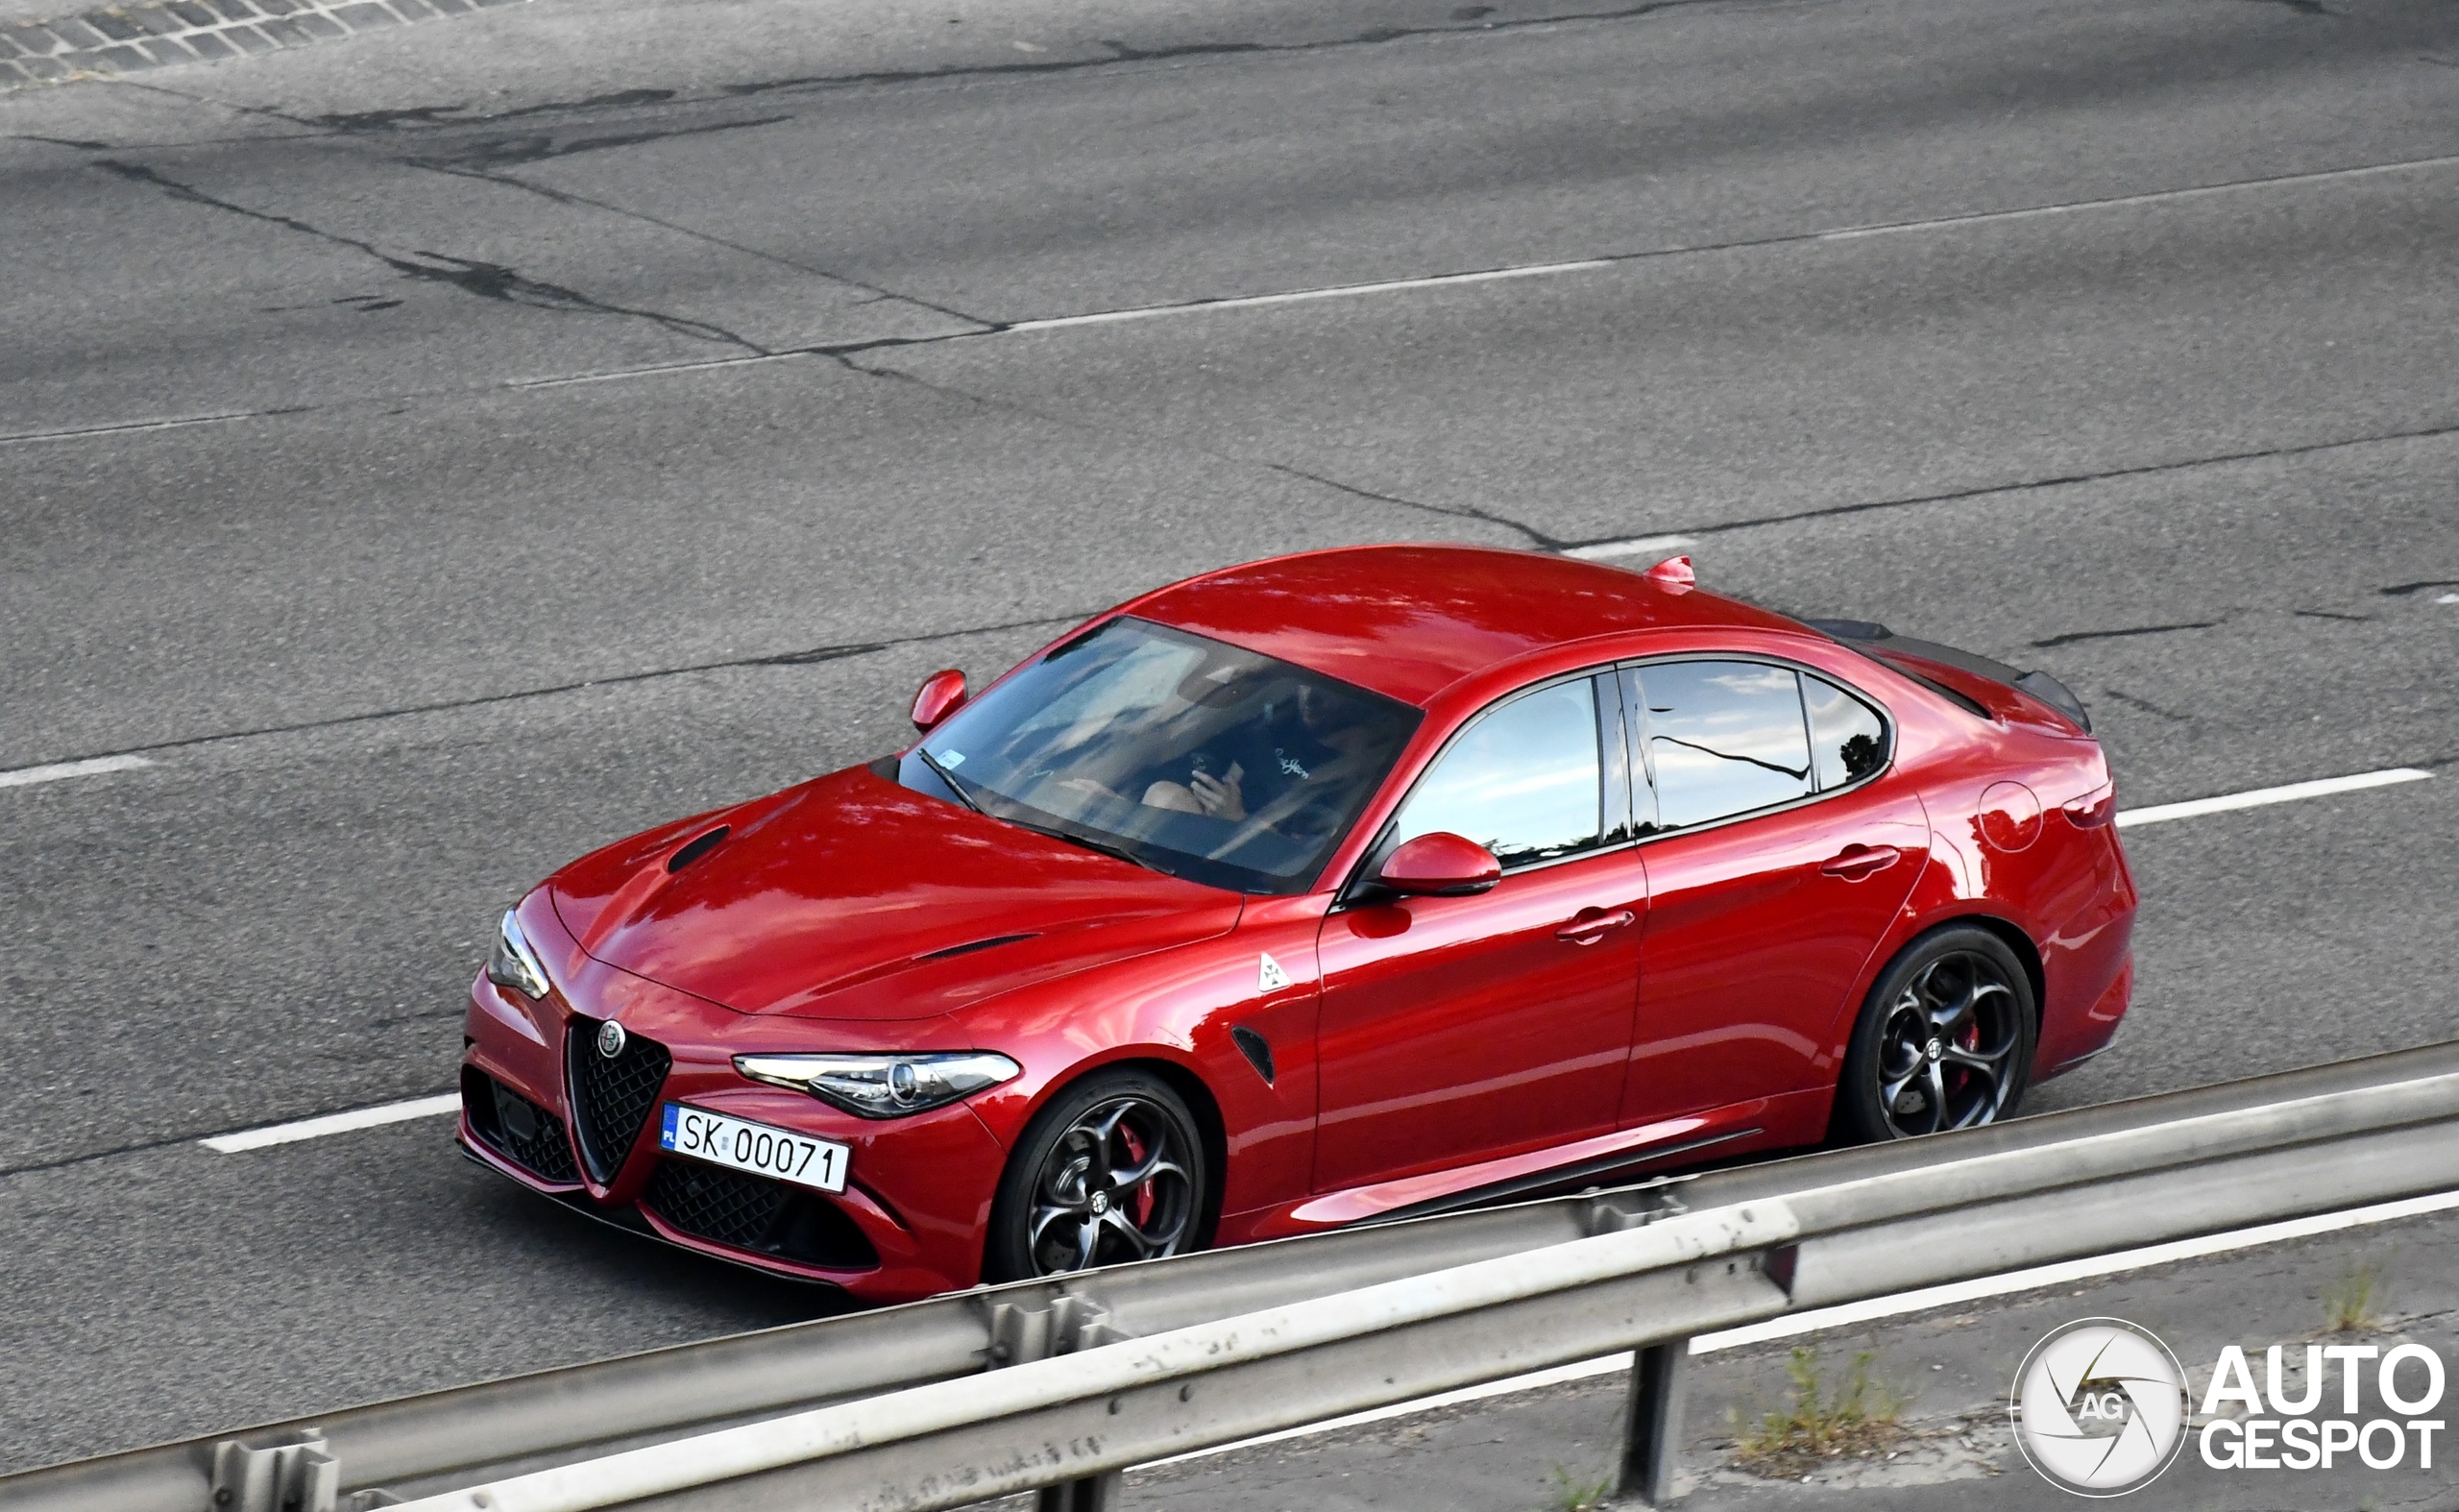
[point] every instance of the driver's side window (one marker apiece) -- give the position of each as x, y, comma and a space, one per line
1524, 781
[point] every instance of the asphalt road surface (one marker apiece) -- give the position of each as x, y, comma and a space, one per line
434, 454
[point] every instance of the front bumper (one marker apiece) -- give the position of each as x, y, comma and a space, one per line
536, 1109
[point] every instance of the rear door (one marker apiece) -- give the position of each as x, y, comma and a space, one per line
1456, 1029
1779, 844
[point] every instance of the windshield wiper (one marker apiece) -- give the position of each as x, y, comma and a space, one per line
949, 778
1106, 848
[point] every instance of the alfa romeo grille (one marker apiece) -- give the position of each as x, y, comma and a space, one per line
517, 1129
743, 1211
611, 1097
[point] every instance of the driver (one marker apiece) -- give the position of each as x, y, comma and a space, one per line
1257, 764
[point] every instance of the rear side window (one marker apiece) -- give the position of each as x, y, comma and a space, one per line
1723, 738
1847, 738
1523, 781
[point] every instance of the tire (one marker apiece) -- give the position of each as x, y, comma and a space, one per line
1111, 1170
1944, 1041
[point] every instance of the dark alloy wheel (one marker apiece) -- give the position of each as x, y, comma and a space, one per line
1945, 1040
1112, 1170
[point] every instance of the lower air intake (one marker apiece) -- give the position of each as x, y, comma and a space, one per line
742, 1211
517, 1129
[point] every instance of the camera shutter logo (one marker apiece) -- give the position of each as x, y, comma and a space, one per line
2100, 1407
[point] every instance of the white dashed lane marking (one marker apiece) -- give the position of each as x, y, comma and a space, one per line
2321, 787
28, 777
334, 1123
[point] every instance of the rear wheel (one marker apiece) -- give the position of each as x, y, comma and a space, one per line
1111, 1170
1944, 1041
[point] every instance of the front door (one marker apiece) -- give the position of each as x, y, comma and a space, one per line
1783, 847
1456, 1029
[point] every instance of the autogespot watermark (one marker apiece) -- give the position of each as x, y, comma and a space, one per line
2101, 1408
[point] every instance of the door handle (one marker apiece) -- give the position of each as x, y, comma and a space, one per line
1588, 926
1856, 861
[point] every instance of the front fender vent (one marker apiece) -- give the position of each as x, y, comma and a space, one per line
698, 849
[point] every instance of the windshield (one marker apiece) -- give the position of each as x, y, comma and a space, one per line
1178, 752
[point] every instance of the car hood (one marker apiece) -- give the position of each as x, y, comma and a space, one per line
852, 897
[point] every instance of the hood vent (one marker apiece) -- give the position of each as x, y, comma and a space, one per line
698, 849
970, 946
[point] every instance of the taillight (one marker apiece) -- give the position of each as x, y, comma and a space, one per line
2093, 809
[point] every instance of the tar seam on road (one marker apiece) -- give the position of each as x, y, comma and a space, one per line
803, 658
345, 1120
503, 283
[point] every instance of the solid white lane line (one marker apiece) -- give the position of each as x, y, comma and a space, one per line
2321, 787
1637, 546
1112, 317
1793, 1325
1542, 270
57, 771
2120, 200
334, 1124
657, 370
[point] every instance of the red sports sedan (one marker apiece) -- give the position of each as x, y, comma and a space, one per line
1331, 888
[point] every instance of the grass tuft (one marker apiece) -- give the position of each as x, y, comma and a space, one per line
1858, 1416
1581, 1495
2351, 1304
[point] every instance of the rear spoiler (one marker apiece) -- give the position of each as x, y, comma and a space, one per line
1936, 664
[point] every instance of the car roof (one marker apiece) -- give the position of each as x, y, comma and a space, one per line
1410, 621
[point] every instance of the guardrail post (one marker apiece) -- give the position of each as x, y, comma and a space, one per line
1019, 1333
286, 1477
1096, 1494
1652, 1428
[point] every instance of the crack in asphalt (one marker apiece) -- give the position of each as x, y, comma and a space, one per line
802, 658
486, 175
2059, 480
2403, 590
486, 280
2146, 704
1118, 54
2076, 637
540, 146
1530, 532
1536, 537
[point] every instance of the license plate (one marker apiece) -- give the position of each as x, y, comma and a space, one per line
758, 1148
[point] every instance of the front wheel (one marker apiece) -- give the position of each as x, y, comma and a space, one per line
1944, 1041
1111, 1170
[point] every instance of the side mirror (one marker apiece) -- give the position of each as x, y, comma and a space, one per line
1439, 865
941, 694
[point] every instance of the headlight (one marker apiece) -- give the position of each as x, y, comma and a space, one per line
513, 964
883, 1086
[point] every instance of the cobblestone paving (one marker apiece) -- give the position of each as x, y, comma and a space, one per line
126, 39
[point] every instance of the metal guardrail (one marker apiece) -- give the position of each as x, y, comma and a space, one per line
1058, 1385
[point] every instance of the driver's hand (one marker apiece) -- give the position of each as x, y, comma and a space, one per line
1220, 795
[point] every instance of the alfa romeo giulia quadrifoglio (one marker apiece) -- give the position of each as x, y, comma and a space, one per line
1333, 888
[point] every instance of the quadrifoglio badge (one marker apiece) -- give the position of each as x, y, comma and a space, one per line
2101, 1408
